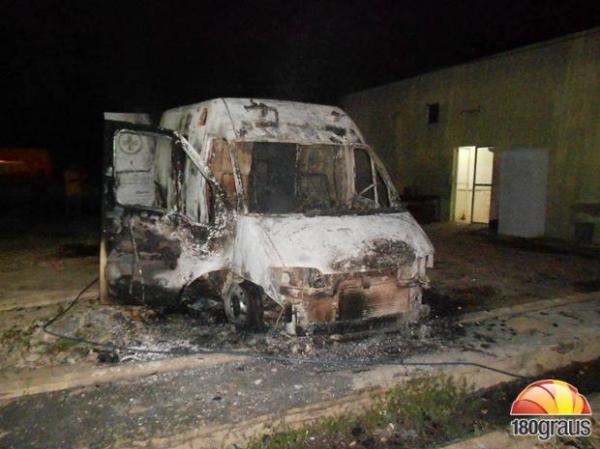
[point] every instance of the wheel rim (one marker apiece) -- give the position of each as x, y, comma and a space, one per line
237, 305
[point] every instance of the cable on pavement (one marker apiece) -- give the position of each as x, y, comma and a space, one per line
348, 363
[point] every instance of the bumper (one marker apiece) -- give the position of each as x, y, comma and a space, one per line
352, 302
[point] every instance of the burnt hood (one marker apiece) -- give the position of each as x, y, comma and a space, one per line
328, 243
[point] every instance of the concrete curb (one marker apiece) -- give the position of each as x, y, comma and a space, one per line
46, 380
226, 435
27, 300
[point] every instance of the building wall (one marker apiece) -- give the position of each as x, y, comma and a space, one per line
544, 96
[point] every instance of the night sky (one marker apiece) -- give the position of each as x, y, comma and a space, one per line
67, 62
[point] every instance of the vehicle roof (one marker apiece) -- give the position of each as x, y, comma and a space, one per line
265, 120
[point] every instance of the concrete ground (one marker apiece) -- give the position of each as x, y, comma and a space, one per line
475, 269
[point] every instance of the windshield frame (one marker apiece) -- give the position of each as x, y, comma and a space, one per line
348, 157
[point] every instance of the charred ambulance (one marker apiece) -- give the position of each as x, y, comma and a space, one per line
255, 201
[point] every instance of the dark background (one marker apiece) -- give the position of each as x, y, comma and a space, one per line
67, 62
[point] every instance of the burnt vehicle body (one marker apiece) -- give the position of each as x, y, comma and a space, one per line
257, 200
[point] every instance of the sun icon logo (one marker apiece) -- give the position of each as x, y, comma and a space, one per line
550, 397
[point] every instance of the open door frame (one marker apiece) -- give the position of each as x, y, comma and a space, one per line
453, 181
109, 201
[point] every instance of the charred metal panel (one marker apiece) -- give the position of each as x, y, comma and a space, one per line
153, 244
324, 242
335, 268
379, 299
263, 120
356, 298
380, 254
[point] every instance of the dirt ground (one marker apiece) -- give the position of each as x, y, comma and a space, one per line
478, 270
473, 271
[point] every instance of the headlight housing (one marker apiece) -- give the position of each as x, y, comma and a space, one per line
313, 278
287, 277
300, 277
407, 272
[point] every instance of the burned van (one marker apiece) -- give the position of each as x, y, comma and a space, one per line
250, 201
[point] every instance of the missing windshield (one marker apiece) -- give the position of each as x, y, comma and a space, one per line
289, 178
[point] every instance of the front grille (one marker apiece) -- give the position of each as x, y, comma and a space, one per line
375, 301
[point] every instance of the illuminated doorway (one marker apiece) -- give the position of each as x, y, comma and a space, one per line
473, 184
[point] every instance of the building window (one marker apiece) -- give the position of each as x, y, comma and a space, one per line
433, 113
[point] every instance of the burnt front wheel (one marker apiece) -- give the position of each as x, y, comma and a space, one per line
244, 306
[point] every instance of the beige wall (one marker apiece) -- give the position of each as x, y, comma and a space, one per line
545, 96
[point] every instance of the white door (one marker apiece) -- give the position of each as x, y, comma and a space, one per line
523, 180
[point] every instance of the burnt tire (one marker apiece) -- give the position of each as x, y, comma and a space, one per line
244, 306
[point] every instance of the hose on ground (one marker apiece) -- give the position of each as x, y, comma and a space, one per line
347, 363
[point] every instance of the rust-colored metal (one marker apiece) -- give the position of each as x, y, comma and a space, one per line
357, 298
